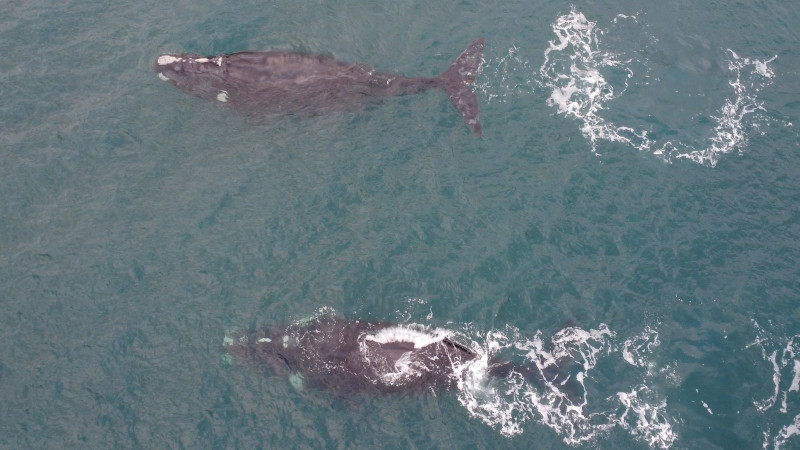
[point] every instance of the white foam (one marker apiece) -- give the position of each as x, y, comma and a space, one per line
795, 386
782, 357
164, 60
162, 76
732, 120
786, 432
646, 420
776, 381
508, 404
223, 97
415, 334
573, 72
636, 349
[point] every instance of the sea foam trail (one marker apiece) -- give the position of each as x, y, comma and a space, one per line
575, 71
510, 404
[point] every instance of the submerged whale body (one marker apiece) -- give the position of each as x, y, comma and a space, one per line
280, 82
354, 355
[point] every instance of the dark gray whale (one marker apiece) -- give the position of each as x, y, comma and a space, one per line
279, 82
343, 355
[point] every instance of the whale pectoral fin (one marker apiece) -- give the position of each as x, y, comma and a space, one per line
456, 80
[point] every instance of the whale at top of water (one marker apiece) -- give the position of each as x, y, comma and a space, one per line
334, 353
287, 83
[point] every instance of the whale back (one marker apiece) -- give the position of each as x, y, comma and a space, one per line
336, 354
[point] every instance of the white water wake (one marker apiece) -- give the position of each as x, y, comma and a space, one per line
574, 69
509, 404
585, 76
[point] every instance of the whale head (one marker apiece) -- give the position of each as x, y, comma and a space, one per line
195, 74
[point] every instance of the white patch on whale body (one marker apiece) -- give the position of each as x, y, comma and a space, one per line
162, 76
417, 335
296, 380
164, 60
406, 369
223, 96
229, 339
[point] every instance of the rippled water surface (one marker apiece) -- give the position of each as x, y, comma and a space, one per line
631, 212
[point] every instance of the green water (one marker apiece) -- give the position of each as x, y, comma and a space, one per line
138, 224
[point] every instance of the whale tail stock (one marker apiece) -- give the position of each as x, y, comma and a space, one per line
456, 82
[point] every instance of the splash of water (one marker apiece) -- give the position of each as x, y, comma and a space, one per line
565, 361
732, 121
572, 71
575, 71
636, 349
644, 417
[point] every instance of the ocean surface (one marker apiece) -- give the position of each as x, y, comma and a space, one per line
632, 207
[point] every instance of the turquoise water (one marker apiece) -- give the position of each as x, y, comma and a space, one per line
633, 203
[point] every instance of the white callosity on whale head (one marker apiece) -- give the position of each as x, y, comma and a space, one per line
223, 96
165, 60
203, 60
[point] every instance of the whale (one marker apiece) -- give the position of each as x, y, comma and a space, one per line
347, 356
296, 83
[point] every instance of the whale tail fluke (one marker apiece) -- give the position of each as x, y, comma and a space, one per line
457, 79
